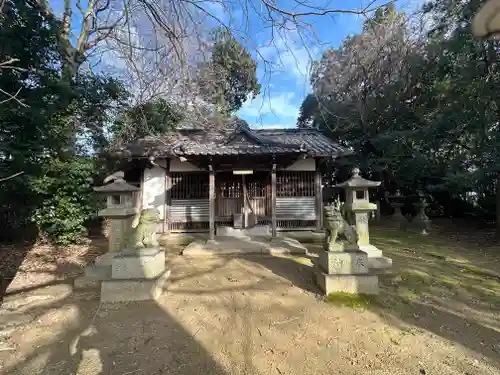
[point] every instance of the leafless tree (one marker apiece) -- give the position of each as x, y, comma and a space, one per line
363, 66
158, 43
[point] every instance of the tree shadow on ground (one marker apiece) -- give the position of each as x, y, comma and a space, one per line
291, 268
12, 255
47, 265
122, 338
442, 292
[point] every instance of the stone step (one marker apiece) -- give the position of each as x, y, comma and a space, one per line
379, 262
233, 246
105, 259
117, 290
95, 272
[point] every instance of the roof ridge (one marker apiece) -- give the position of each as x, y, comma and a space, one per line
289, 130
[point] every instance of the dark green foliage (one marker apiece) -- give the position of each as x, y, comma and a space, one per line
66, 204
151, 118
307, 110
48, 129
421, 114
230, 75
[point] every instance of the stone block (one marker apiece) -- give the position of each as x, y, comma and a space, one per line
379, 263
105, 259
371, 251
346, 263
355, 284
95, 272
138, 264
133, 290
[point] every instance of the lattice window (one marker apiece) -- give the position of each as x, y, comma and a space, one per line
189, 185
257, 183
230, 189
294, 184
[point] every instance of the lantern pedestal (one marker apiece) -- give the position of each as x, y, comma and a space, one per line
376, 259
358, 208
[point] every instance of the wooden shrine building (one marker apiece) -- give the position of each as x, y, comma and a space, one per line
236, 177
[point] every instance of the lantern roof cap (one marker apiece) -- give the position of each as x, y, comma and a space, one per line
119, 185
356, 181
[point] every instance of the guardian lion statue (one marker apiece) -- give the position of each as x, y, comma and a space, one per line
143, 232
337, 228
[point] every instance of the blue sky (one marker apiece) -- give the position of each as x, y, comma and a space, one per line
288, 84
284, 54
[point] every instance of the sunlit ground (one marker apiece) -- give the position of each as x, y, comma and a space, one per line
438, 312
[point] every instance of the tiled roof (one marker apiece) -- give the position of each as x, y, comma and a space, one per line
240, 141
312, 140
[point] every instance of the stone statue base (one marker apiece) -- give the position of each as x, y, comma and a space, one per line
354, 284
345, 269
129, 275
126, 290
138, 264
345, 263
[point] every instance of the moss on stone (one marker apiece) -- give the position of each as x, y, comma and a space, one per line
350, 300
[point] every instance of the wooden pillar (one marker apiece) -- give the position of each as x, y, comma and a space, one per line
168, 198
211, 201
273, 201
318, 193
244, 205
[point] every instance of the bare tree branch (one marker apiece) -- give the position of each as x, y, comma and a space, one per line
8, 65
11, 176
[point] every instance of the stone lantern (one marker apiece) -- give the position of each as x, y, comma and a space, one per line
397, 201
358, 207
134, 267
120, 209
421, 221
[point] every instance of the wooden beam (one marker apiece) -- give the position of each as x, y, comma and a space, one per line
318, 193
211, 201
168, 198
273, 201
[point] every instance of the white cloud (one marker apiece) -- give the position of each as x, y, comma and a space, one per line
217, 10
291, 53
280, 105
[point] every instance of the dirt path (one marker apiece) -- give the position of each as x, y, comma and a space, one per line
241, 316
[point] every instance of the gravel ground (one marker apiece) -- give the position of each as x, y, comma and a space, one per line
255, 315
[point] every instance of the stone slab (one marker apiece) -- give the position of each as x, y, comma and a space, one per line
95, 272
372, 251
237, 246
258, 230
307, 236
142, 264
346, 263
133, 290
105, 259
380, 263
355, 284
